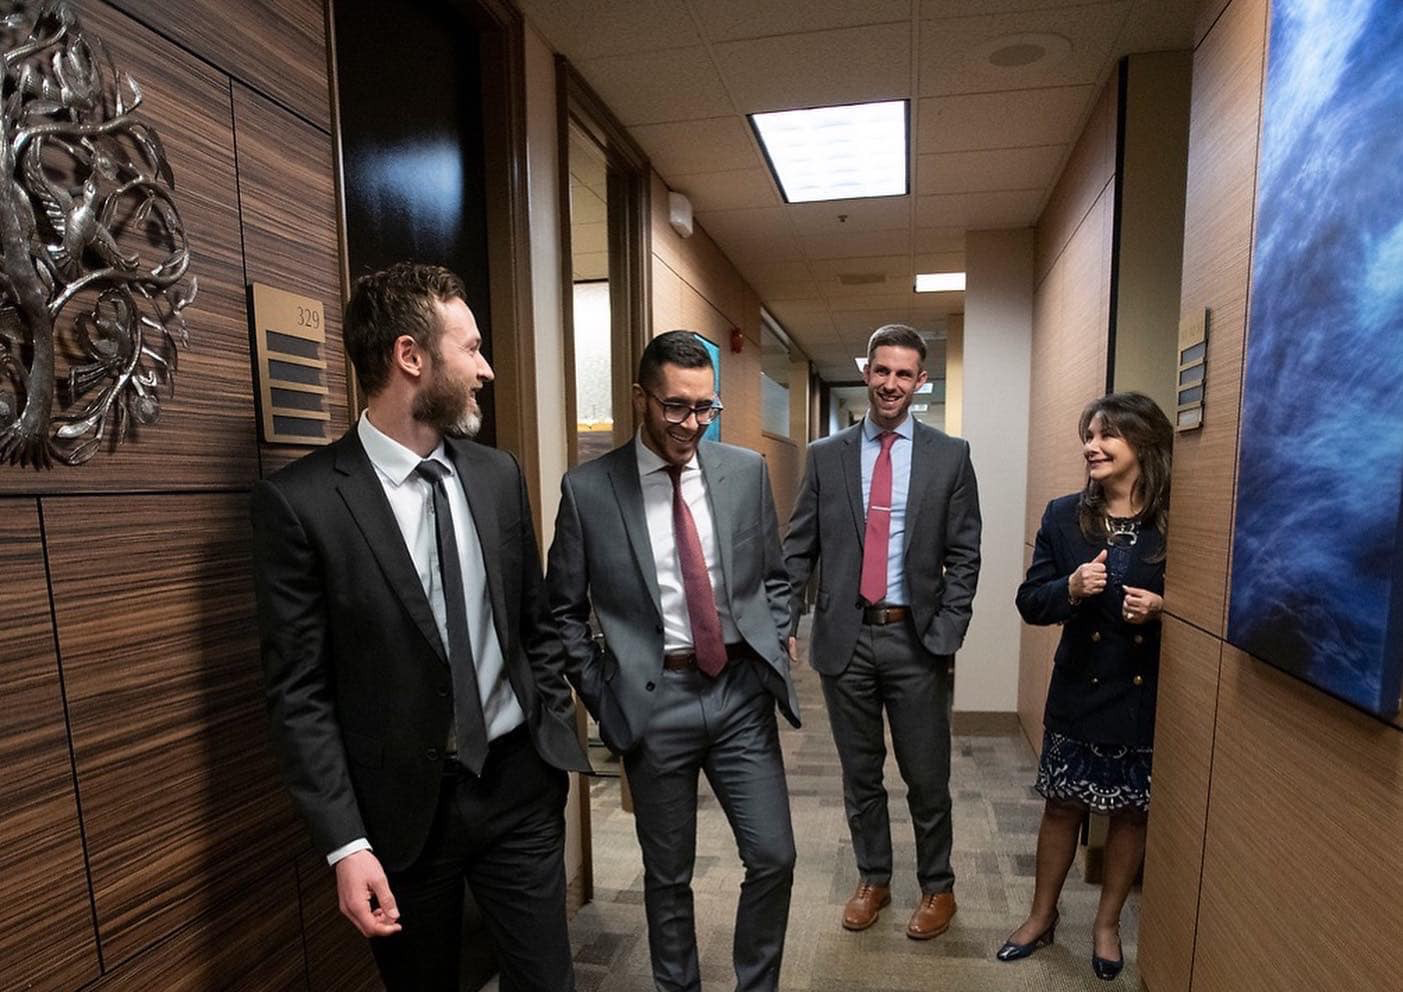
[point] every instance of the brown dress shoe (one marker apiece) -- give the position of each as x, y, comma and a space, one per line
932, 917
862, 909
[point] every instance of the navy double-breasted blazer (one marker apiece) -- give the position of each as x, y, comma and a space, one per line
1106, 671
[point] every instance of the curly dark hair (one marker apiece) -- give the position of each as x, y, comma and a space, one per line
1138, 420
392, 302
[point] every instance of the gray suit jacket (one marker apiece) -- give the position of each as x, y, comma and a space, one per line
942, 542
602, 556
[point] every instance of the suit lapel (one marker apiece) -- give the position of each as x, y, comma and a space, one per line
628, 491
483, 504
360, 489
922, 471
723, 515
851, 458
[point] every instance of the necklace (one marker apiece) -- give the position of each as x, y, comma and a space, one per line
1122, 531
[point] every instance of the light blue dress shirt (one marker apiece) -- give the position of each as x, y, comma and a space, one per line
900, 486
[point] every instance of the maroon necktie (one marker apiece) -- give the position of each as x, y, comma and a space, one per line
707, 642
873, 584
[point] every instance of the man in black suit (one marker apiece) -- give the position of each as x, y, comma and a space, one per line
413, 675
889, 512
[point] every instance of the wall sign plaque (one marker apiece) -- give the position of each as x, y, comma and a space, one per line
1193, 366
93, 254
289, 335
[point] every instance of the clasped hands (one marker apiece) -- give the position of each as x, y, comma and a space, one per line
1138, 606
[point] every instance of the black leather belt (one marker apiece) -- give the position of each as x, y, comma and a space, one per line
681, 661
880, 616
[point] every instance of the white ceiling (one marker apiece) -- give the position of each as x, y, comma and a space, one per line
988, 141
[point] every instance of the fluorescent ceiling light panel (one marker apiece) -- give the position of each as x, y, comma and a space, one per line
940, 282
861, 361
837, 153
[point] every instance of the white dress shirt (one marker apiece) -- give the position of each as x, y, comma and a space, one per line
657, 507
412, 503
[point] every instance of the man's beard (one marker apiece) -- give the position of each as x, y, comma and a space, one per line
447, 405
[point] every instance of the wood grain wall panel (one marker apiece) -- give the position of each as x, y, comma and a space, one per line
41, 856
1302, 862
1184, 728
287, 202
276, 46
251, 944
181, 800
1091, 165
338, 958
697, 260
782, 459
1206, 16
1227, 84
206, 434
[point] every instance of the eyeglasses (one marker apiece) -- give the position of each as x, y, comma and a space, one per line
677, 412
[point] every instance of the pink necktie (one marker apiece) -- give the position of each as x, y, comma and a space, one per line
707, 642
873, 584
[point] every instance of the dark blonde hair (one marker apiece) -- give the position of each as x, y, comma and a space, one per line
1138, 420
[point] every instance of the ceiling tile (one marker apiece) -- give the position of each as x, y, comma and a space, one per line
777, 246
764, 273
938, 240
1156, 26
719, 144
949, 261
615, 27
740, 225
977, 211
1025, 118
800, 289
818, 68
894, 242
839, 217
727, 20
730, 190
898, 303
675, 85
892, 266
954, 51
986, 171
958, 8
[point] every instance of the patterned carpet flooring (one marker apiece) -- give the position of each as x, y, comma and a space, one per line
996, 822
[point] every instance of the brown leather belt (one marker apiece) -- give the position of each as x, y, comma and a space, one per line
880, 616
681, 661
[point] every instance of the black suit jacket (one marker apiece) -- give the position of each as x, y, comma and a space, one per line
942, 542
1106, 671
357, 679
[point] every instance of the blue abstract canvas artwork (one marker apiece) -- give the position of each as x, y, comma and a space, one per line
713, 430
1317, 567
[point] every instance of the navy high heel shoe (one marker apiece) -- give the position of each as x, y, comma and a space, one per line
1016, 952
1107, 970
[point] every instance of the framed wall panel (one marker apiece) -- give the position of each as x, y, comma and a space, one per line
41, 859
181, 799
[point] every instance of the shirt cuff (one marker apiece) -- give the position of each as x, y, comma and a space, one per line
359, 844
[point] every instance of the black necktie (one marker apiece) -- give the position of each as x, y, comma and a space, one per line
470, 729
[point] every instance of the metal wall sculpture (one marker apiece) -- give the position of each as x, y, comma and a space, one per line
93, 254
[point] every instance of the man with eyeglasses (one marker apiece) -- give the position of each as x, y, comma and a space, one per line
674, 543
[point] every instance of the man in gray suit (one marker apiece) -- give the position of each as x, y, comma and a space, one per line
889, 511
674, 542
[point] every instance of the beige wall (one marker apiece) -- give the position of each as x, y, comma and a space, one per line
1156, 145
995, 361
955, 375
1274, 853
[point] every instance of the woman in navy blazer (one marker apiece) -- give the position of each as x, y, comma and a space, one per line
1098, 570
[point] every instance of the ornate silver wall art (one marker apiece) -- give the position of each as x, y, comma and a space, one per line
77, 172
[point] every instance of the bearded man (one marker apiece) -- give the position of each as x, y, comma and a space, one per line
413, 674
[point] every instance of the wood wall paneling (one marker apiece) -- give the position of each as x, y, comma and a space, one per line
1227, 83
287, 202
338, 957
181, 799
1090, 166
206, 434
1188, 698
276, 46
41, 857
1302, 862
782, 459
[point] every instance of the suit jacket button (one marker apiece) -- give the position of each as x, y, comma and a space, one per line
658, 627
1139, 680
1095, 680
431, 754
443, 691
649, 687
1139, 638
1095, 635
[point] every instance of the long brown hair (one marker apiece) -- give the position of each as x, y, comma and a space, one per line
1139, 421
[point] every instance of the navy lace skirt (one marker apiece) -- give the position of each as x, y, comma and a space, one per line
1104, 778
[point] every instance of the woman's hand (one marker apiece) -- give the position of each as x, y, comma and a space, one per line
1089, 579
1141, 605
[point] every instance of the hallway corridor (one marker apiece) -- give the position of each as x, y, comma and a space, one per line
996, 822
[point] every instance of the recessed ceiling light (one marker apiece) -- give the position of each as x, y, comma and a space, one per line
929, 387
940, 282
1020, 51
837, 153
